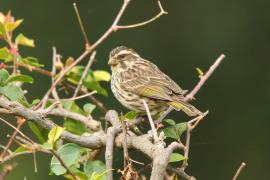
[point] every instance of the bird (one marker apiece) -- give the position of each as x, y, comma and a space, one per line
135, 80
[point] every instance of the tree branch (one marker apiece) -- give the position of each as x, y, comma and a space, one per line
203, 79
112, 131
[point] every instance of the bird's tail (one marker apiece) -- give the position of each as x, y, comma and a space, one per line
186, 107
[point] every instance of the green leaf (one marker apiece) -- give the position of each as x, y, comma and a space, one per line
88, 108
70, 154
22, 40
12, 26
90, 83
3, 76
21, 78
175, 157
32, 61
5, 54
55, 134
95, 167
2, 29
12, 92
170, 132
21, 149
181, 128
72, 106
130, 115
35, 101
200, 72
71, 125
175, 131
101, 75
74, 126
40, 132
170, 121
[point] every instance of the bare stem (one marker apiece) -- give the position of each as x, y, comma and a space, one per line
239, 170
81, 24
85, 72
203, 79
20, 122
162, 12
154, 131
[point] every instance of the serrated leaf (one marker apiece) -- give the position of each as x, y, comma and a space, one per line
175, 157
5, 54
130, 115
20, 78
70, 154
11, 26
40, 132
88, 108
3, 76
101, 75
32, 61
170, 121
55, 134
95, 168
23, 40
12, 92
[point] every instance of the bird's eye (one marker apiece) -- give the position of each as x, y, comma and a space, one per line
121, 56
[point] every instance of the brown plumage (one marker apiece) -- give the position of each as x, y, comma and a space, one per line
135, 79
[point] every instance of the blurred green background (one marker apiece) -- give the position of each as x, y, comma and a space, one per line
193, 34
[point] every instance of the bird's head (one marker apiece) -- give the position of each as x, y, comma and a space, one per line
121, 58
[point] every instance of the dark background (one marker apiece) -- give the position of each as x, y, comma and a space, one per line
193, 34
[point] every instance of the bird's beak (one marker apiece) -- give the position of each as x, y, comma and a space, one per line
113, 62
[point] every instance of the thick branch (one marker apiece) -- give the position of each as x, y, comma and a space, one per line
111, 116
88, 121
94, 141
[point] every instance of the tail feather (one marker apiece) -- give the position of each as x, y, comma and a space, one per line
186, 107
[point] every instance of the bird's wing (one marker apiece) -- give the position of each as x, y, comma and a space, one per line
145, 79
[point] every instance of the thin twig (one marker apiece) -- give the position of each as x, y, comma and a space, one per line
80, 97
81, 24
98, 103
113, 28
239, 170
85, 72
191, 125
154, 130
30, 68
20, 122
162, 12
63, 164
203, 79
16, 129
